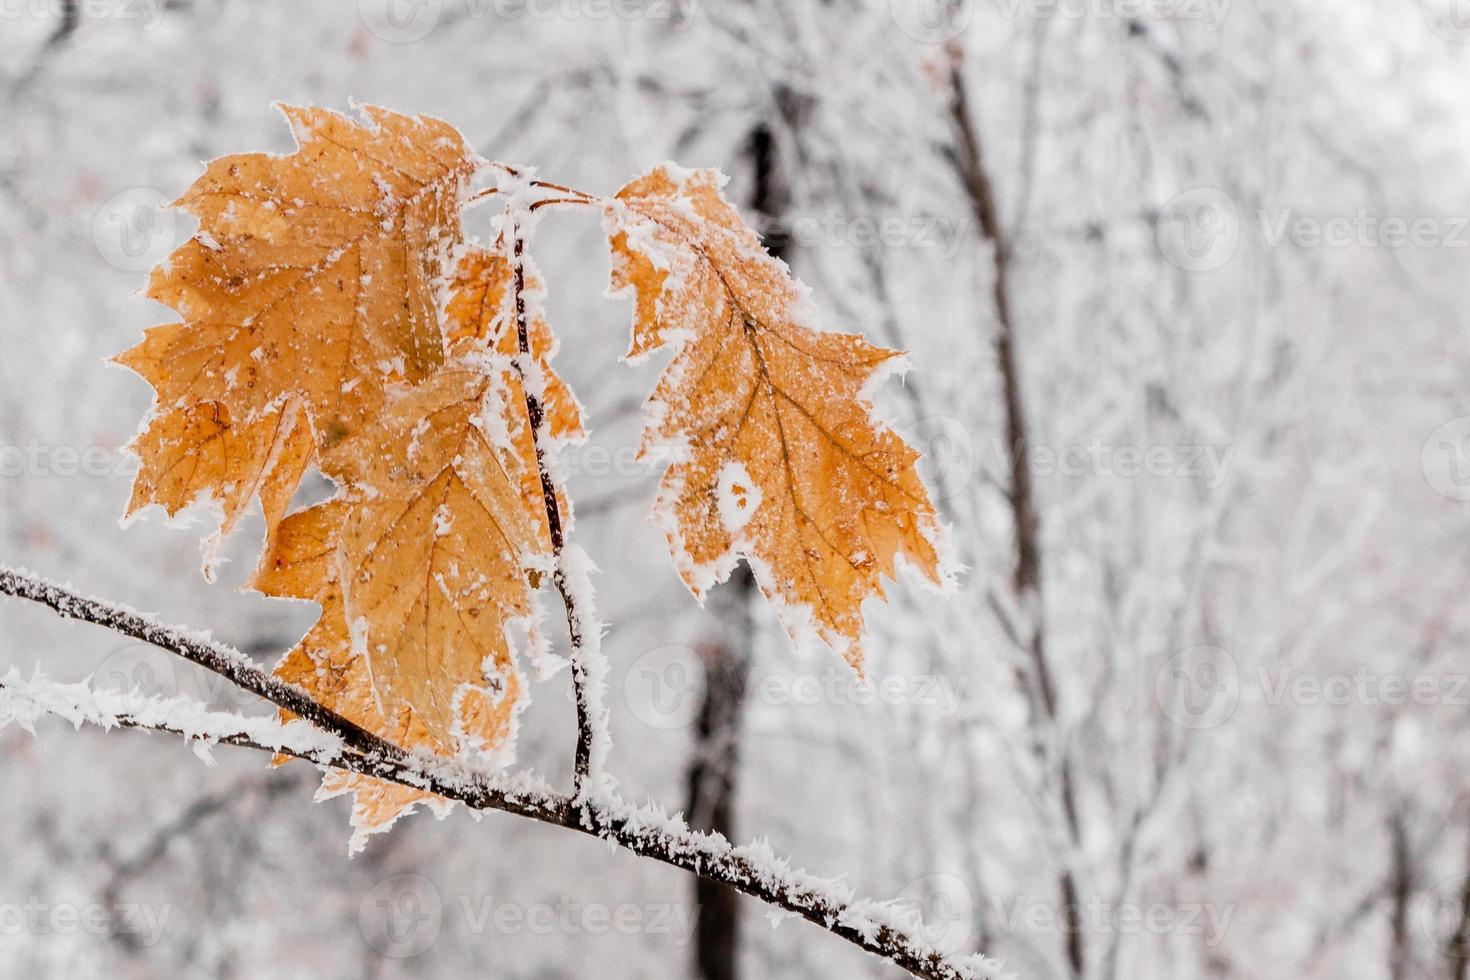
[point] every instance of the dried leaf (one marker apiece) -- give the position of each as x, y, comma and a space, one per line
776, 455
314, 280
301, 564
434, 547
195, 449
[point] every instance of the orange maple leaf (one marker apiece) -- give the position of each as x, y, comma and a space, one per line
300, 564
435, 545
312, 285
426, 558
776, 456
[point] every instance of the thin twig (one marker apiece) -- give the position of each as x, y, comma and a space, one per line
548, 185
588, 718
549, 201
1029, 581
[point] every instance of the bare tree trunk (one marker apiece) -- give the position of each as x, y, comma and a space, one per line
970, 165
1400, 891
713, 769
712, 773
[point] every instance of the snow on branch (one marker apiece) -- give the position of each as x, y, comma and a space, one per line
193, 646
884, 929
22, 702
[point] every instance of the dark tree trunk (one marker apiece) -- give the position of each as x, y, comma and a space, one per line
1401, 892
712, 772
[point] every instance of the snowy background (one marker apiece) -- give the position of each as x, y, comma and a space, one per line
1239, 271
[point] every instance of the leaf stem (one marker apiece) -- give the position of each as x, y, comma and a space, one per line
548, 201
582, 196
590, 715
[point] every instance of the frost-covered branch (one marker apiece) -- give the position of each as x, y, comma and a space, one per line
197, 648
885, 929
22, 702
